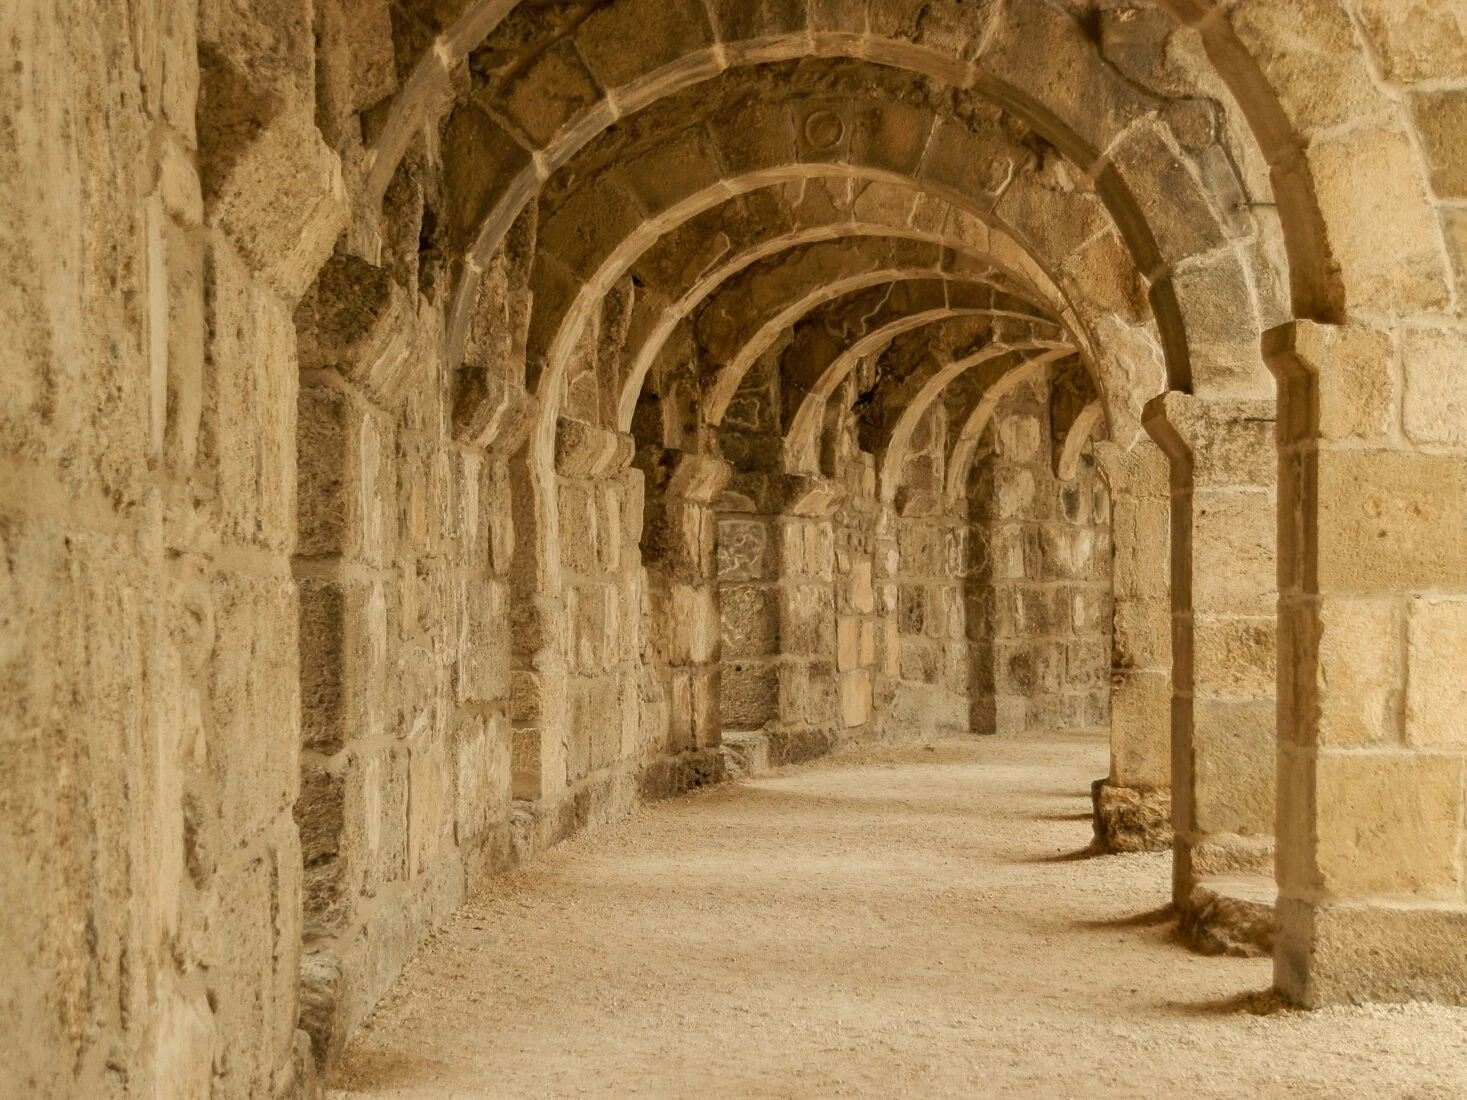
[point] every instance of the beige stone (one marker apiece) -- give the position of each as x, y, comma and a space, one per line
426, 428
1436, 692
1389, 520
1390, 825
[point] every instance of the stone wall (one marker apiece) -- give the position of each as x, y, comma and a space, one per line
1039, 578
388, 485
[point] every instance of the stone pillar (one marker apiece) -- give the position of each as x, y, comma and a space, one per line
679, 546
808, 721
1133, 805
1373, 648
1223, 650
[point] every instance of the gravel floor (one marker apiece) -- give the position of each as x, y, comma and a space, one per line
907, 921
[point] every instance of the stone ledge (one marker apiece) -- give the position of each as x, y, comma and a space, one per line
1230, 916
1131, 819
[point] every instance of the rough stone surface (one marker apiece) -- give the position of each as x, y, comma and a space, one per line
426, 428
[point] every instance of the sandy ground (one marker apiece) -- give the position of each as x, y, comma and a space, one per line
904, 922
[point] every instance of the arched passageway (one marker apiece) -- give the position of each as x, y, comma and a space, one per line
440, 427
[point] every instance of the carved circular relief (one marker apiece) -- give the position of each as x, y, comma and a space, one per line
824, 129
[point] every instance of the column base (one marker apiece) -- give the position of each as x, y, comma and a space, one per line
1355, 952
1230, 916
1131, 819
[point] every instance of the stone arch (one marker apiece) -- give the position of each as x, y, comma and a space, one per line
893, 453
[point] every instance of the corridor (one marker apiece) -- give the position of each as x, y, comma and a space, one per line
914, 920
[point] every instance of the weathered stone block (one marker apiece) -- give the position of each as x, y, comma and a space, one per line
1234, 656
1359, 672
1386, 239
750, 618
1388, 823
282, 203
1233, 766
748, 695
1435, 405
1390, 521
1441, 120
1346, 953
1436, 694
1131, 819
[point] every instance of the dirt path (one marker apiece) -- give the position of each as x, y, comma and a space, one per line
899, 923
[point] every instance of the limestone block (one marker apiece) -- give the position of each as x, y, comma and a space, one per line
744, 550
750, 624
282, 203
818, 560
481, 769
548, 92
1388, 823
1068, 552
531, 697
682, 734
355, 63
428, 809
1307, 50
252, 697
1141, 729
1028, 667
748, 695
1344, 953
1416, 40
1435, 405
1233, 552
1092, 609
483, 643
1214, 293
1142, 535
855, 697
378, 791
911, 614
1234, 656
1390, 521
838, 16
251, 968
591, 610
626, 41
1131, 819
863, 597
1233, 766
249, 404
1167, 189
848, 644
609, 538
807, 614
1436, 693
1042, 52
820, 701
1441, 118
586, 451
1387, 239
356, 318
1352, 370
578, 529
1359, 674
184, 342
1015, 494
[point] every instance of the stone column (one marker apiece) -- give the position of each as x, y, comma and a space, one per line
1223, 657
1133, 805
808, 722
1373, 649
679, 547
